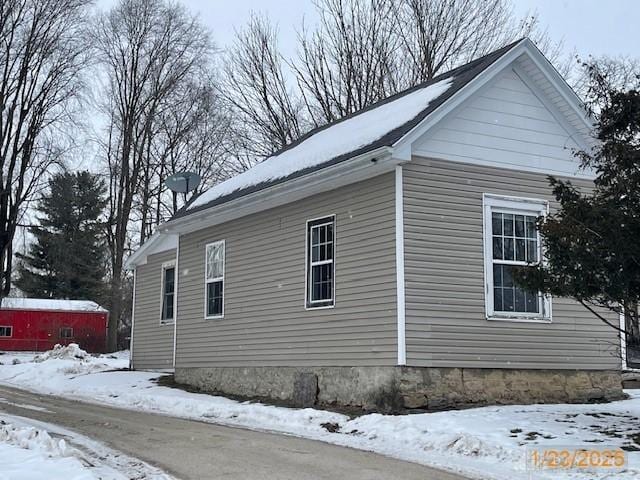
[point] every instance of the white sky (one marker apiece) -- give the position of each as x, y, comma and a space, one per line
593, 27
589, 26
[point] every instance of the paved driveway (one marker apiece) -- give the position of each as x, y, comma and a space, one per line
201, 451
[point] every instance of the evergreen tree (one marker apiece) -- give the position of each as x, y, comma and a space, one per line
592, 242
68, 256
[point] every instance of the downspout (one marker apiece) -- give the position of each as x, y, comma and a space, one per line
175, 306
400, 293
133, 319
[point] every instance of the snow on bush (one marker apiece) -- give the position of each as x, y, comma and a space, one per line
31, 438
68, 352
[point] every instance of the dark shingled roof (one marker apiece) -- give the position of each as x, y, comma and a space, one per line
461, 77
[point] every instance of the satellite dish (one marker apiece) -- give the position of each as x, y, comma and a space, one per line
183, 182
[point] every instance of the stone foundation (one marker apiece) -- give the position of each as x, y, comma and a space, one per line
399, 388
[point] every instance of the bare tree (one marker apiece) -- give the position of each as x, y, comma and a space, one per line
191, 135
42, 53
148, 49
268, 112
350, 60
438, 35
617, 73
360, 52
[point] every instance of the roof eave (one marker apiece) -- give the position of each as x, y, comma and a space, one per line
358, 168
139, 257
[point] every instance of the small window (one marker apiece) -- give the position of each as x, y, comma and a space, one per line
6, 331
512, 241
168, 289
320, 262
66, 332
214, 279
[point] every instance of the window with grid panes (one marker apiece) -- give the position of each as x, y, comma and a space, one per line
512, 241
320, 262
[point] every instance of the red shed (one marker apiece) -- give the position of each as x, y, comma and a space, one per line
35, 324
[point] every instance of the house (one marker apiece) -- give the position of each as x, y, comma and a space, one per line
38, 324
369, 262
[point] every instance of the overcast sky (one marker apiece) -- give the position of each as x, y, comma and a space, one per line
593, 27
590, 26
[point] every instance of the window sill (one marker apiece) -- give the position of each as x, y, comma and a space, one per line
319, 307
167, 322
215, 317
523, 319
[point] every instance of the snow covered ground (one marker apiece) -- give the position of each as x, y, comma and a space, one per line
483, 443
29, 448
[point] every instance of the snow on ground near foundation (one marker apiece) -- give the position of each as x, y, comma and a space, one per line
31, 450
483, 443
339, 139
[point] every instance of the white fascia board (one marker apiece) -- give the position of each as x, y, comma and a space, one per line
573, 132
158, 242
402, 148
561, 85
362, 167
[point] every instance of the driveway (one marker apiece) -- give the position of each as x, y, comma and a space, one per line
194, 450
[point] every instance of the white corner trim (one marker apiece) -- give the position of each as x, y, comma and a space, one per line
175, 301
400, 294
133, 319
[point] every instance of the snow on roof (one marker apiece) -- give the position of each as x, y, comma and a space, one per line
50, 304
337, 139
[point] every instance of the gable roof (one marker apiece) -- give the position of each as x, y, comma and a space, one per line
379, 125
364, 144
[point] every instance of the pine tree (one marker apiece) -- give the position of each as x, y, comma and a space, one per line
592, 242
68, 256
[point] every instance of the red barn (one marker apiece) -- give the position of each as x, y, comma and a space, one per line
34, 324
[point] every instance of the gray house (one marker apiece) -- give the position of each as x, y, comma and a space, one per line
369, 263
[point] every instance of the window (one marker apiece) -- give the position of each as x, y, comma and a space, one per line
511, 241
214, 280
320, 262
6, 331
66, 332
168, 292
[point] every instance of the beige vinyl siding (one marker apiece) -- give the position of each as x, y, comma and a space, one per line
265, 322
444, 272
152, 341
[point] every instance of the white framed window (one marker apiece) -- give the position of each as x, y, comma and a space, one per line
168, 288
511, 240
66, 332
214, 279
320, 263
6, 331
